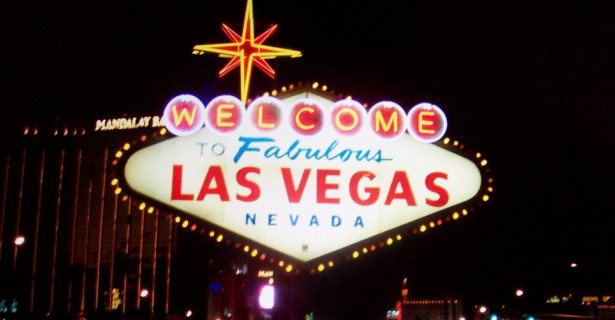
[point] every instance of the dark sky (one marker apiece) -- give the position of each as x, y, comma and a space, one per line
531, 84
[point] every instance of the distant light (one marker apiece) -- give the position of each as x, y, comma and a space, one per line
519, 293
266, 298
144, 293
188, 313
530, 318
574, 265
493, 317
482, 309
19, 240
462, 318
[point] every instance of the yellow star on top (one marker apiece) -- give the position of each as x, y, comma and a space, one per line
246, 51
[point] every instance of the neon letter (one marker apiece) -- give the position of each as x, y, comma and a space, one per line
430, 183
222, 114
243, 181
386, 125
338, 119
177, 118
176, 186
400, 179
300, 124
373, 192
261, 123
214, 174
426, 120
322, 186
294, 194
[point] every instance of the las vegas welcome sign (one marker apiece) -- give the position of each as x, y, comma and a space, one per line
303, 176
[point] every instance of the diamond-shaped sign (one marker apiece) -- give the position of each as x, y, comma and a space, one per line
303, 194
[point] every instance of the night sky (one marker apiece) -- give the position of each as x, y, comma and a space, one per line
530, 84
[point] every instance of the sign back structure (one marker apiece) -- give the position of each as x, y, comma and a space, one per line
304, 180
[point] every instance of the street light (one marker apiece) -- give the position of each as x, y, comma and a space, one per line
19, 240
144, 293
519, 293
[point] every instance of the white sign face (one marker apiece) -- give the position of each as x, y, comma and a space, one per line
305, 195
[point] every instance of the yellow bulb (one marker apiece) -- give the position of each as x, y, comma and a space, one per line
246, 248
185, 224
150, 210
423, 228
315, 85
483, 163
478, 155
455, 216
219, 238
118, 154
330, 264
321, 267
283, 89
281, 263
289, 268
446, 140
398, 237
389, 241
431, 224
490, 189
142, 206
364, 250
324, 88
118, 191
178, 219
126, 146
455, 143
486, 198
254, 252
464, 212
212, 234
355, 254
163, 131
274, 93
114, 181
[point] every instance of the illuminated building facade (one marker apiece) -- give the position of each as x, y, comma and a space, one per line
441, 309
427, 309
72, 246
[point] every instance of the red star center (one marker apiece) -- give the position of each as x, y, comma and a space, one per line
245, 51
